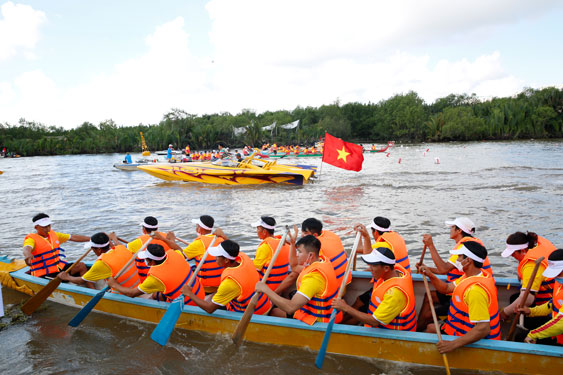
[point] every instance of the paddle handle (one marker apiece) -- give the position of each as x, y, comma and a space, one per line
122, 240
78, 260
192, 277
525, 297
183, 241
422, 256
276, 253
434, 317
349, 266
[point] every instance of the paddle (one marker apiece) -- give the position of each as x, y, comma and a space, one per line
164, 328
34, 302
322, 351
429, 296
245, 320
525, 297
82, 314
122, 240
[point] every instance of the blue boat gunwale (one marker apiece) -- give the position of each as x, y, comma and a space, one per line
496, 345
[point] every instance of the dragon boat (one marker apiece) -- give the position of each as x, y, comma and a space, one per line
357, 341
250, 171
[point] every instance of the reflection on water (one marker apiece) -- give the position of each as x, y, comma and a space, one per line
502, 186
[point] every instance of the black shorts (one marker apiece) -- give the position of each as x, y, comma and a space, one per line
365, 299
443, 305
52, 275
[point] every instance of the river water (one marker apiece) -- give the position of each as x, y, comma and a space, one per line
502, 186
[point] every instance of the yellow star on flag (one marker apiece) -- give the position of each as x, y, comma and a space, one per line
342, 154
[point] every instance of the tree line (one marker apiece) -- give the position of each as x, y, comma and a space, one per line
402, 118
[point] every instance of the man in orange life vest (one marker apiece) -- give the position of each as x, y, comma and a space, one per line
552, 331
462, 229
381, 231
42, 251
392, 304
238, 280
168, 273
210, 272
526, 248
111, 258
149, 226
265, 228
473, 313
316, 286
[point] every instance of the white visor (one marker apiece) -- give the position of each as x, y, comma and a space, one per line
377, 227
510, 249
375, 256
262, 224
43, 222
148, 226
554, 268
91, 244
219, 251
147, 255
198, 222
465, 251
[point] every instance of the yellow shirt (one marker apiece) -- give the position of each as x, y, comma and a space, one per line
550, 329
393, 303
477, 300
195, 249
452, 259
527, 270
63, 237
135, 245
263, 256
151, 285
98, 271
312, 285
228, 290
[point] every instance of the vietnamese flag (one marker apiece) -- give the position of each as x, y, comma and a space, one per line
342, 154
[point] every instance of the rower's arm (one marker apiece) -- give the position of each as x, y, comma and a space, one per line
289, 306
78, 238
208, 306
27, 254
340, 304
130, 292
441, 266
76, 280
479, 331
442, 287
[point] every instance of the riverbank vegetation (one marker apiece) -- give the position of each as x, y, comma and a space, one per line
401, 118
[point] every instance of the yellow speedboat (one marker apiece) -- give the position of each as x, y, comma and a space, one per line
227, 172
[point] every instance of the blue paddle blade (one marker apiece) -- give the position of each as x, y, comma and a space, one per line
164, 329
322, 351
78, 318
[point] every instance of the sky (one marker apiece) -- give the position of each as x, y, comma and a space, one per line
66, 62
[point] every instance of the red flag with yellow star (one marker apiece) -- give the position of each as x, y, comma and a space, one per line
342, 154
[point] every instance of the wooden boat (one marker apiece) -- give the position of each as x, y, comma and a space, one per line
411, 347
380, 149
224, 172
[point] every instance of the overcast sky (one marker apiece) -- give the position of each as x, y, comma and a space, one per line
68, 61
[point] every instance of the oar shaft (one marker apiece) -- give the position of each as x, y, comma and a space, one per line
202, 260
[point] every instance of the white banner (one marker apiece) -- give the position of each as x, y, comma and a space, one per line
239, 131
291, 125
269, 127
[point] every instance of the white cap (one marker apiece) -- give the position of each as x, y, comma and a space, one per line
198, 222
219, 251
261, 223
554, 268
43, 222
510, 249
462, 223
376, 256
377, 227
468, 253
147, 254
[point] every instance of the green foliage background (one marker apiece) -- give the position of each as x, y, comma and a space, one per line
404, 117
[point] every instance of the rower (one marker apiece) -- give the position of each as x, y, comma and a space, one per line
238, 280
381, 232
473, 313
210, 272
111, 258
168, 273
331, 246
392, 304
42, 251
462, 230
149, 226
551, 332
265, 228
526, 248
317, 285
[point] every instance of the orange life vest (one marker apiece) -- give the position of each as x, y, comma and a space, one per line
456, 274
210, 272
47, 254
142, 268
406, 320
246, 276
280, 270
174, 273
319, 309
398, 247
557, 306
458, 323
333, 250
542, 249
117, 258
